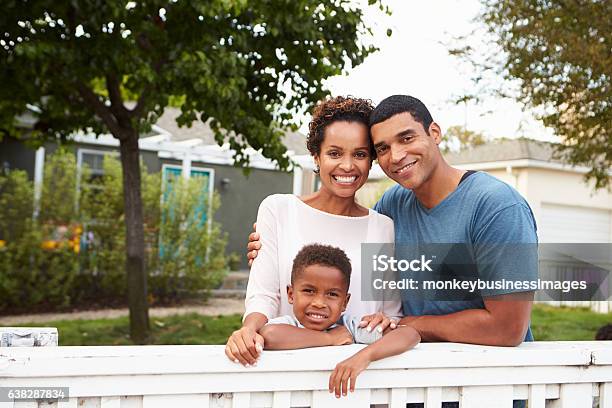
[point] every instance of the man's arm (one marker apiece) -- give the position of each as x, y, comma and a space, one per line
503, 322
288, 337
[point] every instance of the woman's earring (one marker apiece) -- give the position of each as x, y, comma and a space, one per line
316, 170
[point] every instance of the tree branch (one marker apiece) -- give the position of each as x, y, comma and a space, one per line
92, 100
140, 105
114, 92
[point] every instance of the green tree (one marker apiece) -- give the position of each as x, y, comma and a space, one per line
559, 55
246, 67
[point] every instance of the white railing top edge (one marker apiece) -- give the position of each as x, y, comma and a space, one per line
124, 360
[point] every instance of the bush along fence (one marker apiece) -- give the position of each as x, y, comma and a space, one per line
70, 250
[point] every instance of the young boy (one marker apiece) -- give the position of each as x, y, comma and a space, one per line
319, 294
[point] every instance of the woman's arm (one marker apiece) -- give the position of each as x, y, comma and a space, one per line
263, 295
245, 344
393, 342
288, 337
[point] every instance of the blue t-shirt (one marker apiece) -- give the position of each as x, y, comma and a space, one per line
481, 211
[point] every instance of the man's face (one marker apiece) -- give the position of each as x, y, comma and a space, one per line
405, 152
319, 296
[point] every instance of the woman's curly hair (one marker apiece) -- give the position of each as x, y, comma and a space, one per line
334, 109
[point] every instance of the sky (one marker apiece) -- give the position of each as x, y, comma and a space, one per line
415, 61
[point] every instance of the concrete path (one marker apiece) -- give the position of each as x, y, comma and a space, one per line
214, 307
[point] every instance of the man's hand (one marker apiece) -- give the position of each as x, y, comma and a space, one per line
379, 320
340, 336
244, 346
346, 371
253, 246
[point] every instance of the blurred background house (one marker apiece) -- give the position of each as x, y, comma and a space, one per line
188, 151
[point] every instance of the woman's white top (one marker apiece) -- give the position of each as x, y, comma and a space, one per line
285, 225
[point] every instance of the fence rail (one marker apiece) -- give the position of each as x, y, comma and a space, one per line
547, 374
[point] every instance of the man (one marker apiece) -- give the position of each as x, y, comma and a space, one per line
436, 203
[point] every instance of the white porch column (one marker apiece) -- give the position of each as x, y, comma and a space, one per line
39, 171
186, 166
297, 180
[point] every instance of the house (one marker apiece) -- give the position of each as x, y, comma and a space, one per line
188, 151
566, 209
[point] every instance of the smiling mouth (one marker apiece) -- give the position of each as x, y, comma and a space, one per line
345, 179
316, 316
406, 167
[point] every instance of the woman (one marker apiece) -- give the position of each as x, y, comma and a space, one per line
339, 142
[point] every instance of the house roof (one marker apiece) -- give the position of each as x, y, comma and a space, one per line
506, 150
294, 141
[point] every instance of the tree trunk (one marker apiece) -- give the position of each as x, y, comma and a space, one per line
135, 262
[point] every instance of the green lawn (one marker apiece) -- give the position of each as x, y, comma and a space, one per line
564, 323
186, 329
548, 323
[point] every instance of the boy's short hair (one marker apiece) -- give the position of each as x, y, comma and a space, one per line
317, 254
604, 333
396, 104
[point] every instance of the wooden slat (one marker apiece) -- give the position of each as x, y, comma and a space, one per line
485, 397
110, 402
25, 404
605, 395
241, 400
433, 397
176, 400
537, 396
324, 399
281, 399
573, 395
398, 398
70, 403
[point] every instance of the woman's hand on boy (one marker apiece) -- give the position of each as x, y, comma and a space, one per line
244, 346
253, 246
377, 321
347, 371
340, 336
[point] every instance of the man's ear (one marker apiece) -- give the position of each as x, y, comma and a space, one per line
435, 132
290, 294
348, 297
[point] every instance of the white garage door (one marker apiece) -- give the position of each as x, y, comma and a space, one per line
561, 223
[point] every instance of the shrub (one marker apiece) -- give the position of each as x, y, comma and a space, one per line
74, 251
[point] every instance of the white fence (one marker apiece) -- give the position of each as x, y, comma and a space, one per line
547, 374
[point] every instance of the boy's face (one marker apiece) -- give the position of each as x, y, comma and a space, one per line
319, 296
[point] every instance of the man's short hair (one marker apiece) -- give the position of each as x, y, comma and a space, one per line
396, 104
604, 333
317, 254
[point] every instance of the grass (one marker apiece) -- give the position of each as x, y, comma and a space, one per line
184, 329
564, 323
548, 323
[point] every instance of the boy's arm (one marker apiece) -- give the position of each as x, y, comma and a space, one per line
393, 342
288, 337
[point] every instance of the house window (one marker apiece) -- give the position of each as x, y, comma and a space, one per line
94, 160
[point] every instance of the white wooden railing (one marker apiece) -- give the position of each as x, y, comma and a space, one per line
557, 374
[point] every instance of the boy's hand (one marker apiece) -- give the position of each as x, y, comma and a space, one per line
340, 336
377, 319
253, 246
346, 371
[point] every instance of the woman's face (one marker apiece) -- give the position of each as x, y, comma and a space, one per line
344, 160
